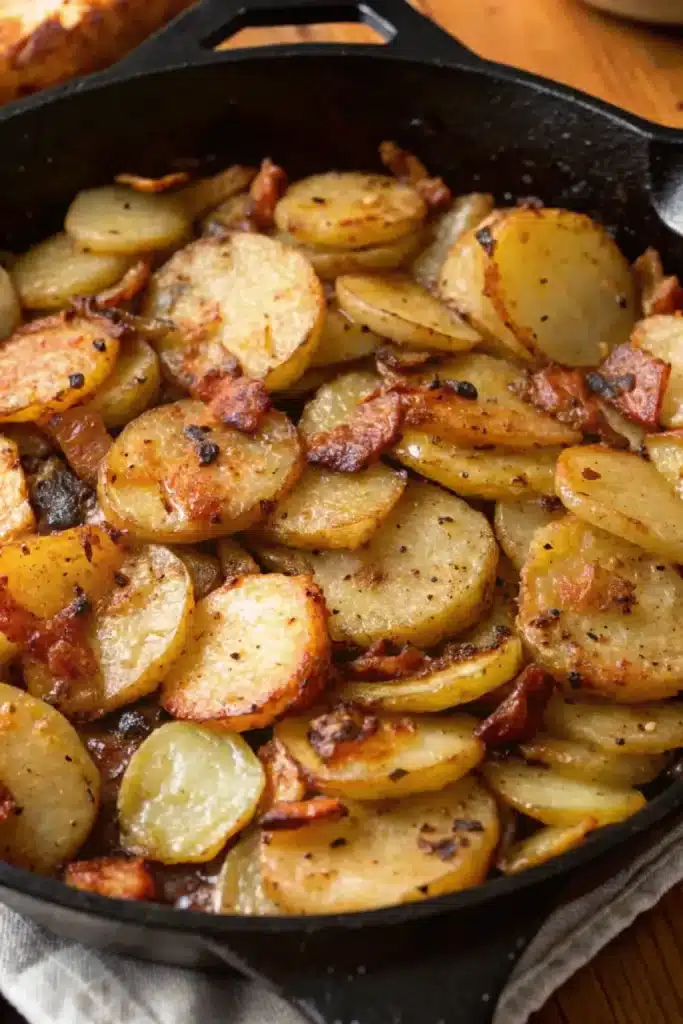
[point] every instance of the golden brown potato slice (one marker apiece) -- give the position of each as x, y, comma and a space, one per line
623, 494
58, 270
246, 297
544, 845
665, 451
16, 514
239, 887
591, 764
335, 403
334, 510
186, 790
557, 800
398, 308
235, 560
204, 569
466, 213
342, 340
384, 854
115, 219
329, 263
10, 310
644, 729
208, 193
426, 573
602, 614
662, 336
517, 522
54, 784
166, 478
258, 646
52, 364
131, 387
347, 210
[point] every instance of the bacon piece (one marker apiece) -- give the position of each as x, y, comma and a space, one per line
59, 642
658, 294
153, 185
240, 402
634, 382
131, 284
120, 878
409, 169
564, 394
264, 192
383, 661
353, 446
520, 715
332, 734
82, 436
299, 813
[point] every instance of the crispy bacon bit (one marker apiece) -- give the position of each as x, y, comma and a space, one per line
241, 403
596, 588
634, 382
153, 185
120, 878
384, 660
353, 446
81, 434
408, 168
520, 715
290, 814
59, 642
331, 734
8, 804
658, 294
564, 394
131, 284
266, 189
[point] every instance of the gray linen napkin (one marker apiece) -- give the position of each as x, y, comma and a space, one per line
52, 981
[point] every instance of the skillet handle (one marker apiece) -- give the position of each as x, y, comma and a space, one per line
191, 37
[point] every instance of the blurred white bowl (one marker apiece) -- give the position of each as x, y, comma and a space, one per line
669, 12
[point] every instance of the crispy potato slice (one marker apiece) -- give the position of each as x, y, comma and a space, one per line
258, 646
601, 613
162, 484
342, 340
645, 729
494, 474
58, 270
347, 210
132, 386
115, 219
235, 560
246, 297
239, 887
52, 364
336, 402
662, 337
330, 263
665, 452
557, 800
334, 510
517, 522
10, 310
544, 845
426, 573
623, 494
208, 193
466, 213
52, 779
16, 514
407, 850
402, 310
186, 790
591, 764
204, 569
398, 755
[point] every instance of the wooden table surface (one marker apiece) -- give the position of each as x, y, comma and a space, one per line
638, 979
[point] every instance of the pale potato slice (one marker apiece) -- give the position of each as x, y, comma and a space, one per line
402, 310
426, 573
115, 219
58, 270
591, 764
51, 364
16, 514
398, 756
235, 560
334, 510
407, 850
132, 386
246, 297
494, 474
239, 887
186, 791
335, 402
517, 522
602, 614
662, 336
329, 263
54, 784
544, 845
644, 729
10, 310
258, 646
557, 800
347, 210
623, 494
342, 340
163, 484
208, 193
665, 451
467, 212
204, 569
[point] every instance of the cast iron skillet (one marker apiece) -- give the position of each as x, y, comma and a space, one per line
320, 107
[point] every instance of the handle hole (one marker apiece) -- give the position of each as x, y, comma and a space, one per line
317, 32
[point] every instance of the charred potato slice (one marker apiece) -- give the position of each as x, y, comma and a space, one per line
665, 452
167, 479
204, 569
258, 646
246, 297
408, 850
544, 845
342, 340
119, 220
644, 729
54, 784
16, 514
662, 337
348, 210
591, 764
235, 560
467, 212
10, 310
329, 263
239, 888
58, 270
517, 522
132, 387
186, 791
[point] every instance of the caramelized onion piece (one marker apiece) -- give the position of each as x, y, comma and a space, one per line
520, 715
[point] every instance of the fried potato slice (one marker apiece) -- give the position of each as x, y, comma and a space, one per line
466, 213
330, 263
119, 220
557, 800
602, 614
132, 386
644, 729
335, 402
426, 573
494, 474
384, 854
204, 569
209, 193
662, 337
186, 791
245, 297
51, 364
239, 887
259, 645
16, 513
58, 270
347, 210
623, 494
342, 340
235, 560
516, 523
51, 778
398, 308
589, 763
544, 845
390, 756
334, 510
166, 479
10, 310
665, 452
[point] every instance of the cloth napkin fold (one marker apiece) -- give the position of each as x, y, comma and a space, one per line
53, 981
